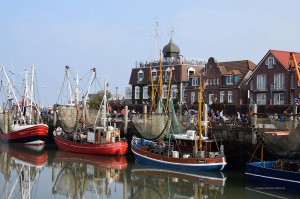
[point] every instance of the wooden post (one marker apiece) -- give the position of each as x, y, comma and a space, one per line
145, 114
295, 110
126, 120
54, 114
254, 124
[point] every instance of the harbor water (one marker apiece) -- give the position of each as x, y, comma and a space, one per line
51, 173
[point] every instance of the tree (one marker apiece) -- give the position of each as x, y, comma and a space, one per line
96, 99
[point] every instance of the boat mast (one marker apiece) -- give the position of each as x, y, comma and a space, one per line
69, 84
91, 82
152, 91
11, 89
77, 87
156, 35
160, 84
104, 106
169, 88
31, 92
200, 111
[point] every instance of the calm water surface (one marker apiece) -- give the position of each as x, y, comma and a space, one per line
50, 173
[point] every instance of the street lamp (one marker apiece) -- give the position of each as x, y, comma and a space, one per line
116, 92
271, 92
43, 96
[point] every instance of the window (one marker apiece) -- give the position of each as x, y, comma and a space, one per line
165, 92
167, 74
261, 82
278, 98
128, 93
211, 98
270, 62
222, 96
218, 81
154, 75
145, 92
193, 97
261, 98
279, 81
194, 81
214, 81
140, 76
174, 91
191, 71
137, 92
229, 80
229, 96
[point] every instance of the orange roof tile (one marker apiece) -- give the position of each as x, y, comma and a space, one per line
284, 57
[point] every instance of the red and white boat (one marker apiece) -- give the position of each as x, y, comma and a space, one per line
110, 162
20, 120
106, 148
88, 136
26, 134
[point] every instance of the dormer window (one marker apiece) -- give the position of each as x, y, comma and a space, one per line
140, 76
229, 80
270, 62
191, 71
154, 74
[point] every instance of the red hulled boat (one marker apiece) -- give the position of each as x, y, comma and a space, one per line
88, 131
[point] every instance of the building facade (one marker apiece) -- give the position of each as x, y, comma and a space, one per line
182, 69
225, 82
274, 81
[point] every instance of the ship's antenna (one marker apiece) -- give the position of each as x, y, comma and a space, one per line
156, 35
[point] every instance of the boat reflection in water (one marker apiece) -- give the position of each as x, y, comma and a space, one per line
160, 182
87, 176
21, 168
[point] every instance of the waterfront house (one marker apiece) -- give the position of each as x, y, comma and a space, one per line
225, 82
273, 81
182, 69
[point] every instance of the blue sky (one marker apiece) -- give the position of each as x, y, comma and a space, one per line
113, 35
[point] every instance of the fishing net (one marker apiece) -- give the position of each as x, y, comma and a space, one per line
4, 123
68, 118
280, 137
153, 125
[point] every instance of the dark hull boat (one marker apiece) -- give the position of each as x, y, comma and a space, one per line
274, 173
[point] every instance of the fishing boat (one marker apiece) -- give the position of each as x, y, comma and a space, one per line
21, 169
99, 137
87, 176
174, 147
111, 162
20, 120
282, 173
162, 182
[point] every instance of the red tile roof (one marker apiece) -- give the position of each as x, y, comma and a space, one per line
284, 57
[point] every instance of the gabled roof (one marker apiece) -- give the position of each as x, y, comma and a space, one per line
243, 66
284, 56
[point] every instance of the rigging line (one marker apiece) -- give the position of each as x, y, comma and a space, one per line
60, 91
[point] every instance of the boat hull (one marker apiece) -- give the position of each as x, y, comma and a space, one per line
144, 156
263, 173
111, 162
27, 134
208, 177
111, 148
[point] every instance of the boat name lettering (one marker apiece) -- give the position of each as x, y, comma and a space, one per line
202, 161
